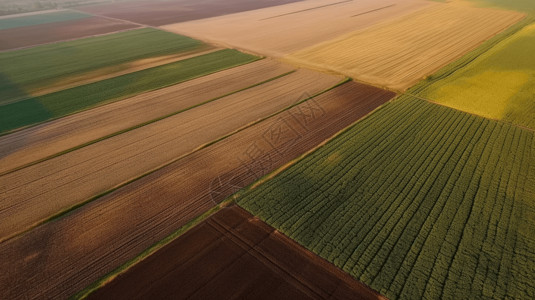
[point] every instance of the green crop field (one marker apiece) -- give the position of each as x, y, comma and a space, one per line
417, 201
497, 84
24, 70
39, 109
527, 6
39, 19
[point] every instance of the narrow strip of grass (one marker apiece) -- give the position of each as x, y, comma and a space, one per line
52, 106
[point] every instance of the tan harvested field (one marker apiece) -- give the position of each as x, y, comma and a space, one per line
39, 142
241, 257
397, 54
28, 36
35, 193
100, 236
158, 12
281, 30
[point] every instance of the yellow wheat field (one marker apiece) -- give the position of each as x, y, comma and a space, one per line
397, 54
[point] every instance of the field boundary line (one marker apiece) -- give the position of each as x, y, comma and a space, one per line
149, 251
256, 58
70, 40
373, 10
140, 125
72, 208
470, 113
307, 9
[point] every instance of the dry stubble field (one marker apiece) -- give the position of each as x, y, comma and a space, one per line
29, 36
397, 54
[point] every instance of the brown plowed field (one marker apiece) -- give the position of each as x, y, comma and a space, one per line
156, 13
60, 31
93, 240
281, 30
35, 193
398, 54
233, 255
35, 143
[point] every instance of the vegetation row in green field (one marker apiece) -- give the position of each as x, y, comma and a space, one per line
39, 109
419, 201
21, 71
39, 19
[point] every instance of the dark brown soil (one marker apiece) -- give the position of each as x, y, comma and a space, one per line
233, 255
59, 258
157, 13
61, 31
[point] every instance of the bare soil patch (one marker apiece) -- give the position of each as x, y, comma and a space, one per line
38, 142
234, 255
28, 36
37, 192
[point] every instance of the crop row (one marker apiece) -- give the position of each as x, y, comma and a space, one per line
417, 201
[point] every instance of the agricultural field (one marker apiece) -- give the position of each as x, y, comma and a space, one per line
497, 84
398, 54
39, 191
109, 231
233, 246
28, 36
157, 13
325, 149
417, 201
40, 19
282, 30
37, 143
51, 106
25, 72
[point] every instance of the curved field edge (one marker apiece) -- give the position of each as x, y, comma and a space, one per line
52, 106
408, 217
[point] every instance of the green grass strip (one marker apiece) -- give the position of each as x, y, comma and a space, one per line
55, 105
39, 19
